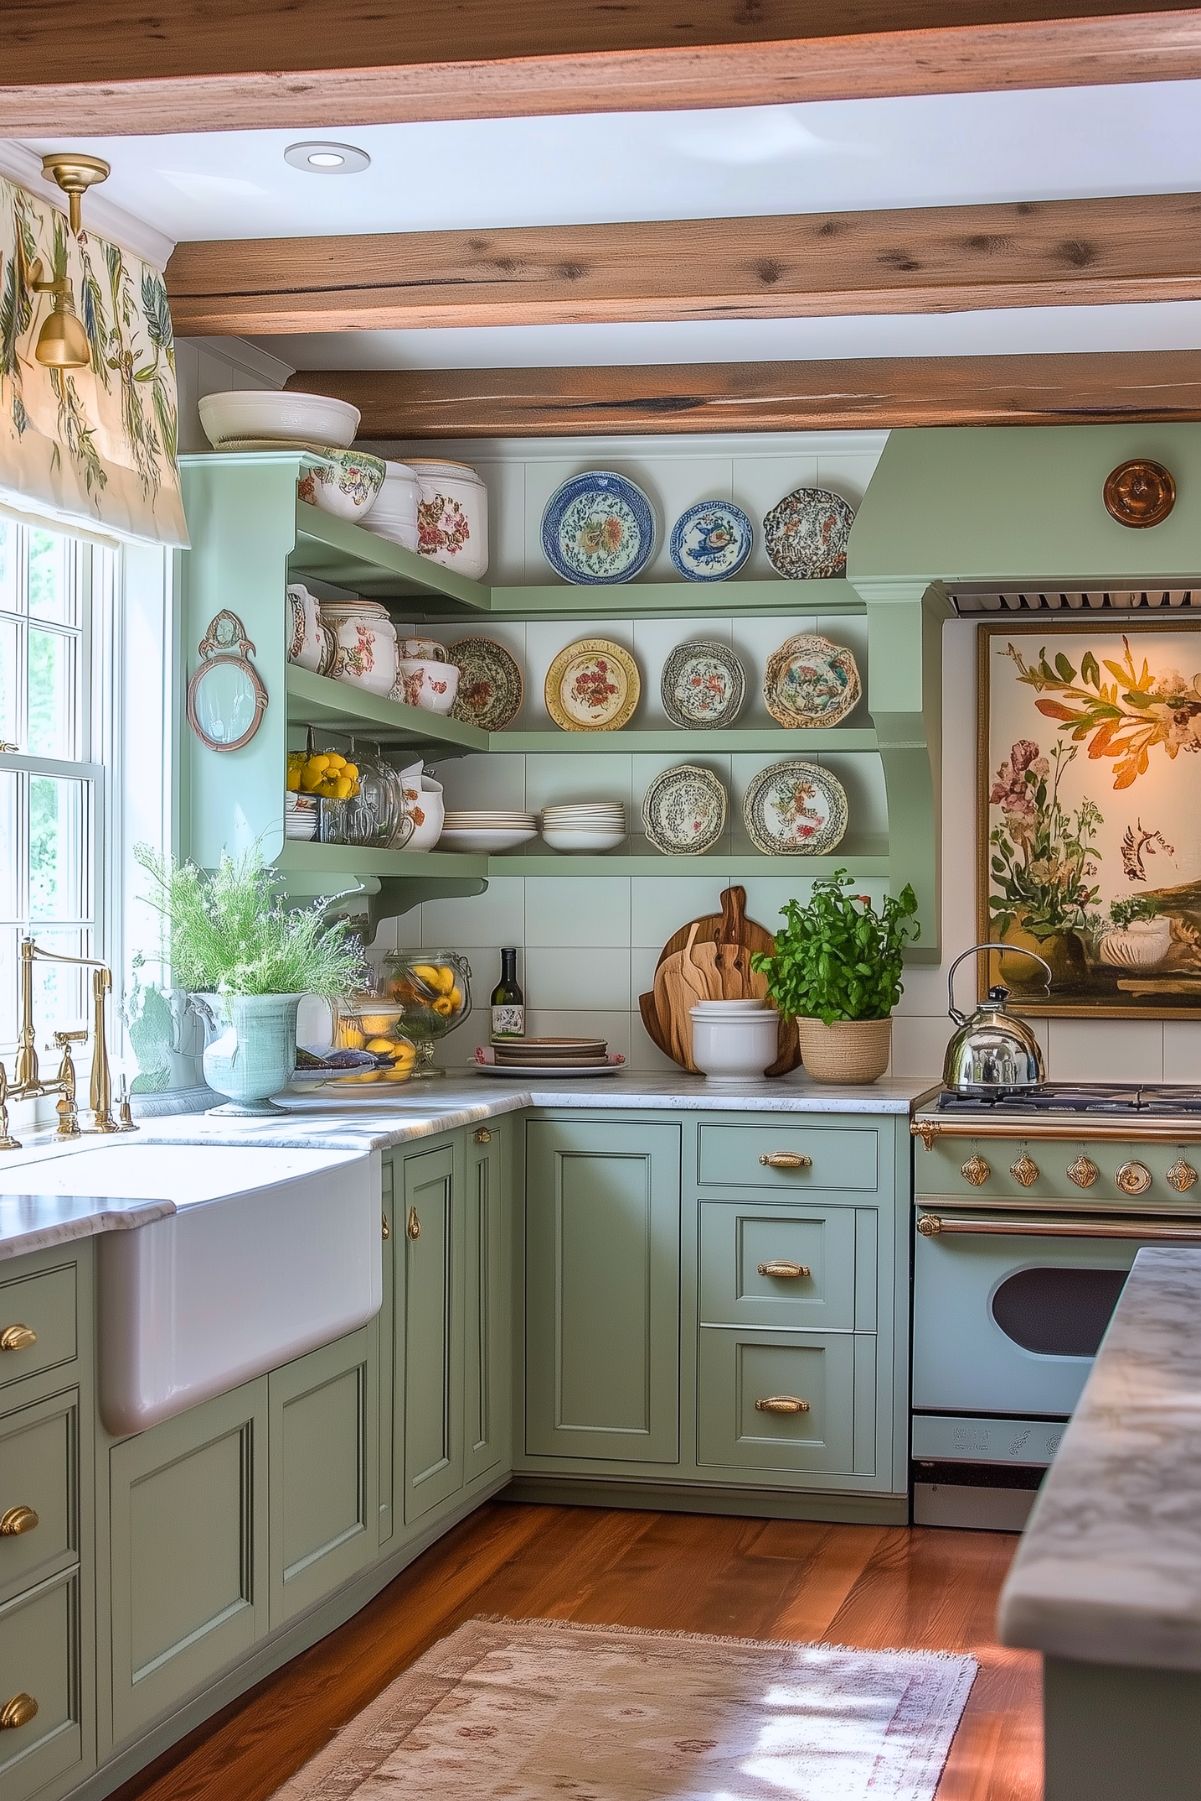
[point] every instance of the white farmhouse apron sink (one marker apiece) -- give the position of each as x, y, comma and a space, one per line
270, 1253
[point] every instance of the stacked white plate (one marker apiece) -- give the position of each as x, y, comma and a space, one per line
584, 826
488, 829
300, 816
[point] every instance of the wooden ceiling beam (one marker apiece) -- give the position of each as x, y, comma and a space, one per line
179, 65
915, 260
1086, 388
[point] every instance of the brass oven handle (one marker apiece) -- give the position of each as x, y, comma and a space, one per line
17, 1712
413, 1224
17, 1520
941, 1225
781, 1267
785, 1160
781, 1404
17, 1338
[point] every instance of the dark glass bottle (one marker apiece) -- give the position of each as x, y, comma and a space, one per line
508, 1002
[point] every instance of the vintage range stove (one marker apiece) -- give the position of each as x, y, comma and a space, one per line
1030, 1209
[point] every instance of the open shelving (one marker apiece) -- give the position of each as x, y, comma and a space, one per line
352, 712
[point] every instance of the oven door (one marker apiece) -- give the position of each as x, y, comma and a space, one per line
1009, 1309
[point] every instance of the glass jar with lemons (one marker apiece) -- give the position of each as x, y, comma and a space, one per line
432, 990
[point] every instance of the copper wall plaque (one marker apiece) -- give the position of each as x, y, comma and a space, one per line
1139, 493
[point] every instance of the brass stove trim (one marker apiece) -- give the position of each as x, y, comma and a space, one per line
1082, 1128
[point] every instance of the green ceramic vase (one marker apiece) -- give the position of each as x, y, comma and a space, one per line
250, 1048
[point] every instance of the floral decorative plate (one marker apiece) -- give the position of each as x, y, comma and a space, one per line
598, 527
490, 685
711, 541
592, 686
806, 535
684, 812
795, 809
811, 681
703, 684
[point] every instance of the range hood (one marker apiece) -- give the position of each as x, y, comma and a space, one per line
1011, 518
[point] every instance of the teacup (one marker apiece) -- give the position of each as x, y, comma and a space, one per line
427, 648
423, 683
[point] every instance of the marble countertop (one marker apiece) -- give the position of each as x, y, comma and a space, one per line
1109, 1567
29, 1221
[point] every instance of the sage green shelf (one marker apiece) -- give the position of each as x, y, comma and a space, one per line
869, 858
341, 707
349, 556
330, 859
663, 600
670, 740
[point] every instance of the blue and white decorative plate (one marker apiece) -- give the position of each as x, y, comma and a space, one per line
711, 541
598, 527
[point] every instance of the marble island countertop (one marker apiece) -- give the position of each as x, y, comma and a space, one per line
30, 1221
1109, 1568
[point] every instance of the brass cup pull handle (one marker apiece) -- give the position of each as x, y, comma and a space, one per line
781, 1404
17, 1712
385, 1229
780, 1267
785, 1160
17, 1520
482, 1135
413, 1224
17, 1338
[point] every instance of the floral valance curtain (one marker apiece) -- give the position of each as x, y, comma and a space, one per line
93, 449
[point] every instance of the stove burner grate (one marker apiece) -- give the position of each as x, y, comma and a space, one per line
1083, 1097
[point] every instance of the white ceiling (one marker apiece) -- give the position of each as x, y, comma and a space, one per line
864, 154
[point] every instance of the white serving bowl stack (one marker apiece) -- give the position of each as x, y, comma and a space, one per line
394, 515
303, 419
584, 826
488, 830
734, 1041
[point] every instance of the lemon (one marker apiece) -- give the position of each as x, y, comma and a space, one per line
309, 783
376, 1025
397, 1074
403, 1056
349, 1036
430, 975
293, 782
334, 760
343, 788
380, 1047
317, 764
351, 770
456, 999
443, 1006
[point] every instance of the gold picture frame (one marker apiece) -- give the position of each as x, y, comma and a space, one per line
1088, 831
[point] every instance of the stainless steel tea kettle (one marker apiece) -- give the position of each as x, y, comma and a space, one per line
993, 1052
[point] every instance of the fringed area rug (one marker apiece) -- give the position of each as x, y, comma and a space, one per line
539, 1710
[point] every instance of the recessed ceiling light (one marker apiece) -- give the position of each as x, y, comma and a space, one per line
327, 159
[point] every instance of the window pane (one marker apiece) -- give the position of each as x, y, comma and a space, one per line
8, 564
10, 676
60, 992
53, 699
8, 988
58, 848
9, 847
51, 594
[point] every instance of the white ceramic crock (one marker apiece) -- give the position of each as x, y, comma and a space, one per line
394, 515
307, 645
425, 806
733, 1049
452, 519
366, 653
345, 483
421, 683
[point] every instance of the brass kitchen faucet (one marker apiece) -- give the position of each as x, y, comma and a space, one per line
28, 1084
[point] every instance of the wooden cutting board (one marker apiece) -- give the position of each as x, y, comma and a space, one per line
736, 937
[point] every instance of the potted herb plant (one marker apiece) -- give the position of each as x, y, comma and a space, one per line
247, 961
836, 970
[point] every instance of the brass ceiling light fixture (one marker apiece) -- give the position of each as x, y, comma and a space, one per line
62, 341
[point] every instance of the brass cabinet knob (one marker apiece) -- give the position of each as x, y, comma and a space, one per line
1182, 1176
976, 1170
1083, 1172
785, 1160
482, 1135
17, 1338
781, 1267
781, 1404
1025, 1171
17, 1712
1134, 1178
17, 1520
413, 1224
385, 1228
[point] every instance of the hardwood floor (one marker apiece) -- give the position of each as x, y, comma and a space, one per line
874, 1586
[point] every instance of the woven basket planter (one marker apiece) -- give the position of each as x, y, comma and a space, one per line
851, 1050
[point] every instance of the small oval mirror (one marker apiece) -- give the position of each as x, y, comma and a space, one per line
226, 695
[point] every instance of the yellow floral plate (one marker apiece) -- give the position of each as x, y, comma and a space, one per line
592, 686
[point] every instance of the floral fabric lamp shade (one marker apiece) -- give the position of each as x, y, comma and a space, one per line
1088, 820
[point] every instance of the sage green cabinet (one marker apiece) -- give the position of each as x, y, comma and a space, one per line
602, 1273
322, 1473
803, 1403
390, 1393
429, 1300
189, 1561
39, 1492
488, 1355
42, 1661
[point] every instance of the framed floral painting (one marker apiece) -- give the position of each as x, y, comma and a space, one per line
1089, 814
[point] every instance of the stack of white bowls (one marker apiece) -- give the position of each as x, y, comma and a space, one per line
584, 826
488, 830
394, 515
734, 1041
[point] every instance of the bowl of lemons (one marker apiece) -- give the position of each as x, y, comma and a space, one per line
432, 992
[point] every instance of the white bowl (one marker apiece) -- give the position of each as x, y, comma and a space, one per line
578, 842
730, 1009
734, 1050
488, 839
420, 682
272, 413
345, 483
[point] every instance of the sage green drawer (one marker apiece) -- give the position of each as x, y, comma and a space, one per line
737, 1370
827, 1157
37, 1323
40, 1659
768, 1266
39, 1491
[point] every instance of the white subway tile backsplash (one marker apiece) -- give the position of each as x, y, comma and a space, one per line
593, 913
582, 977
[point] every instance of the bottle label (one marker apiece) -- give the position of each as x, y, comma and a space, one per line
508, 1022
